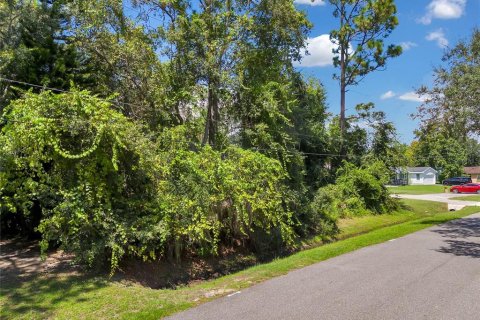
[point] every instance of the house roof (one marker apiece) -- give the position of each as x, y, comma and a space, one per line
419, 169
472, 170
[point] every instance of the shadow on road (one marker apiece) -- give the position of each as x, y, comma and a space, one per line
462, 248
461, 228
459, 236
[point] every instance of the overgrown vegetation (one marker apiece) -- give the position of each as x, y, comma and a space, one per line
104, 190
357, 191
181, 136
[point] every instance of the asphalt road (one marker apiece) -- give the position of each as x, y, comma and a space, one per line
431, 274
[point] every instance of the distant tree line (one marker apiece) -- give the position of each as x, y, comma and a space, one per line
449, 135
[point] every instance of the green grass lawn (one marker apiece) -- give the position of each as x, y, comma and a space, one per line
417, 189
81, 297
412, 209
468, 198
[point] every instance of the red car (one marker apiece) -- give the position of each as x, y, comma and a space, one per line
467, 187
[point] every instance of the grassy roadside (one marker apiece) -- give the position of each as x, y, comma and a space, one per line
468, 198
417, 189
412, 209
77, 297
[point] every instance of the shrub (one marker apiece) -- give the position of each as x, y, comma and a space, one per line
357, 191
210, 196
74, 157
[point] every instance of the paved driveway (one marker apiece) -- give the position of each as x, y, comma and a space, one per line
431, 274
442, 197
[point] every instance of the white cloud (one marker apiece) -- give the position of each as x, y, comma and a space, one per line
407, 45
412, 96
443, 9
310, 2
319, 52
439, 37
363, 125
387, 95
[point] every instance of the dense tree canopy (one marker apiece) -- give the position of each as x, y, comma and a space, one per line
32, 49
438, 151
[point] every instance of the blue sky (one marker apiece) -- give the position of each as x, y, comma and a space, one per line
426, 28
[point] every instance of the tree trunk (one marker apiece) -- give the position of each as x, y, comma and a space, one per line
213, 115
206, 132
343, 52
342, 100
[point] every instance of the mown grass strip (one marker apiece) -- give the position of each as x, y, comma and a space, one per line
420, 189
468, 198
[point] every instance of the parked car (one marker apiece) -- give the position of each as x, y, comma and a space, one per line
456, 181
468, 187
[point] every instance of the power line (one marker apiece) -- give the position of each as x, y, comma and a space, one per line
117, 103
313, 153
266, 129
138, 106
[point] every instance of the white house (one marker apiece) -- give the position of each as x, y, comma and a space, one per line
422, 175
